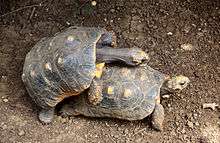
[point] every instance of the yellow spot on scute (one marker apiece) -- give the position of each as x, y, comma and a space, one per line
127, 92
70, 38
110, 90
48, 66
60, 60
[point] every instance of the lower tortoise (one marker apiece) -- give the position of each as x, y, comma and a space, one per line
64, 65
130, 93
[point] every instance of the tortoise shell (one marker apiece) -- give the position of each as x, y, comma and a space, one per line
61, 66
127, 93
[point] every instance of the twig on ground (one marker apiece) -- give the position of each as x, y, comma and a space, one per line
22, 8
210, 105
32, 13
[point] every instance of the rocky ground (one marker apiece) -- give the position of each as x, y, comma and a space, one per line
181, 37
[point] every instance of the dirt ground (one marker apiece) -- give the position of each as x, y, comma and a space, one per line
181, 37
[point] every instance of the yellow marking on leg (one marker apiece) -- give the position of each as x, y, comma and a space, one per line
99, 69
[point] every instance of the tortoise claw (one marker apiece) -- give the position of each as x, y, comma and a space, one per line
158, 117
46, 116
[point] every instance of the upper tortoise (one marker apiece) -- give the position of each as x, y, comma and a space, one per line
130, 93
65, 64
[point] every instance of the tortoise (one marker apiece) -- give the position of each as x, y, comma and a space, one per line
129, 93
64, 65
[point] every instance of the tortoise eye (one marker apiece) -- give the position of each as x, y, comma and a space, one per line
182, 83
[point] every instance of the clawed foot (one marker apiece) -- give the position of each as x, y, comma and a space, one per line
46, 115
158, 117
138, 56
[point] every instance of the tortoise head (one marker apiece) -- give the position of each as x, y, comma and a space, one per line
176, 83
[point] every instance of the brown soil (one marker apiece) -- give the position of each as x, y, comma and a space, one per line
181, 37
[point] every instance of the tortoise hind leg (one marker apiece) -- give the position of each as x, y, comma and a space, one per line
68, 110
46, 115
95, 92
132, 57
105, 53
158, 117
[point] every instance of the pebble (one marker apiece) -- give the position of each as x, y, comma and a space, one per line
94, 3
5, 100
197, 123
190, 124
21, 133
210, 105
195, 115
183, 131
67, 22
126, 131
170, 33
187, 47
112, 10
166, 96
4, 127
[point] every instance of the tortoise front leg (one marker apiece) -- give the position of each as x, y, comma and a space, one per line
95, 92
158, 115
46, 115
131, 57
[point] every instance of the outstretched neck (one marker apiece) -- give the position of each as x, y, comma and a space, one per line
165, 89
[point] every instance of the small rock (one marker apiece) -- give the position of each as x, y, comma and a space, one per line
4, 127
210, 105
126, 131
195, 115
170, 33
193, 25
183, 131
93, 3
169, 105
154, 27
166, 96
190, 124
21, 133
112, 10
197, 123
67, 22
5, 100
187, 47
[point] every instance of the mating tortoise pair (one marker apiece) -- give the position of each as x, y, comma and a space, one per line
73, 61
